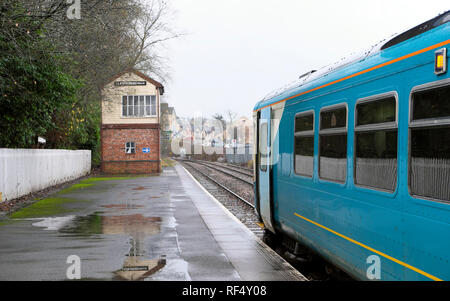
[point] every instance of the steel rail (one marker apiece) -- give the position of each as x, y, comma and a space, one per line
220, 185
234, 168
224, 172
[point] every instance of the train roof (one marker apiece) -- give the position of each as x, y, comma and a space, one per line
377, 54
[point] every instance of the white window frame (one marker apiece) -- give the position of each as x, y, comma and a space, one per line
332, 131
423, 123
150, 106
390, 125
308, 133
130, 146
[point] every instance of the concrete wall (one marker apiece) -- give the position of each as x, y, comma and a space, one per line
23, 171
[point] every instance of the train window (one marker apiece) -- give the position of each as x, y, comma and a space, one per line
431, 104
429, 168
263, 156
304, 123
376, 143
333, 144
380, 111
304, 144
335, 118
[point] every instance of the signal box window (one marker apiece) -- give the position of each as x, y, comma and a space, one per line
333, 144
130, 148
429, 166
376, 143
304, 144
139, 106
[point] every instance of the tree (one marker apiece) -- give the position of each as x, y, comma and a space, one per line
33, 85
219, 117
231, 116
70, 61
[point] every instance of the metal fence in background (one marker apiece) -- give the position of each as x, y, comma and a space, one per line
239, 155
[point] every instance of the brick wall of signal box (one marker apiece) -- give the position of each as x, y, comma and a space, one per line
113, 149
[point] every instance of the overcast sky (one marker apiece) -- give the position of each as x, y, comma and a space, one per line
237, 51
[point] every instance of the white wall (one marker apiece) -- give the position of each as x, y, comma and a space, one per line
23, 171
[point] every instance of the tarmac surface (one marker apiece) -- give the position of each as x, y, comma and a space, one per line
160, 228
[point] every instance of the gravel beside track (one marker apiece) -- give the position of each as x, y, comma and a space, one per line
243, 211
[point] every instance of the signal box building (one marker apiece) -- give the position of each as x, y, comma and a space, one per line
130, 130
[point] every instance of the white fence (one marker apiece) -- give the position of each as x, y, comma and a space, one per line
23, 171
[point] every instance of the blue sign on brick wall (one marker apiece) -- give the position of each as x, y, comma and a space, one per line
146, 150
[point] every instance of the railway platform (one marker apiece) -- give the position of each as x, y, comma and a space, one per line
156, 228
248, 257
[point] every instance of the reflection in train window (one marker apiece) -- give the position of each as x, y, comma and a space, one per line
376, 144
333, 118
374, 112
333, 144
304, 144
429, 170
431, 104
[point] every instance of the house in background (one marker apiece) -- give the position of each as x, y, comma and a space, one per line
130, 130
168, 125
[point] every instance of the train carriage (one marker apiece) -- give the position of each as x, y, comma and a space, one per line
353, 161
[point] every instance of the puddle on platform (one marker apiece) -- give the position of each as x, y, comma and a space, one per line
135, 266
130, 224
135, 269
122, 206
54, 223
137, 263
120, 224
140, 188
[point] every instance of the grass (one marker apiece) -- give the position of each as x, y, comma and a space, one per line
46, 207
167, 162
75, 187
55, 205
101, 178
91, 182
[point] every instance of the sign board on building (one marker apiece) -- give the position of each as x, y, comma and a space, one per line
146, 150
130, 83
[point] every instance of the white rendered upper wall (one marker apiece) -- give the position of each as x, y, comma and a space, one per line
112, 100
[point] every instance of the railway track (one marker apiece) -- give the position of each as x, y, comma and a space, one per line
234, 168
239, 175
237, 198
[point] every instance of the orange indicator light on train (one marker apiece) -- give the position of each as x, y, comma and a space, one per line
440, 62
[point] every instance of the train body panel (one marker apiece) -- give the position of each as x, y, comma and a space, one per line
348, 223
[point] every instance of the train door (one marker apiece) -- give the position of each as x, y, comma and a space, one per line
264, 169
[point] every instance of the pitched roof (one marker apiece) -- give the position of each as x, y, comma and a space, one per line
158, 85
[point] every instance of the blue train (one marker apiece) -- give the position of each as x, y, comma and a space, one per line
353, 161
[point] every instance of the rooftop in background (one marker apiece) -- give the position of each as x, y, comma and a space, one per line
157, 84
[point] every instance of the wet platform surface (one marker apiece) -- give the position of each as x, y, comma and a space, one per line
163, 227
